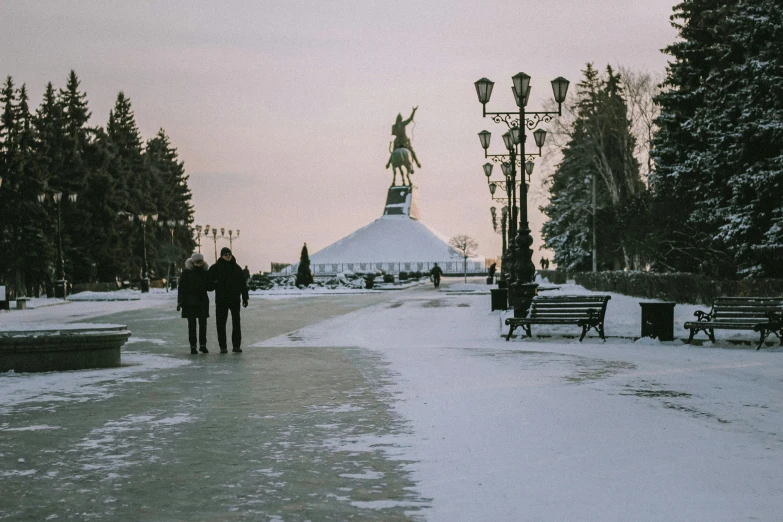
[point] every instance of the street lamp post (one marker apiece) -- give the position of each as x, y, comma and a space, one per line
61, 286
231, 239
145, 279
519, 122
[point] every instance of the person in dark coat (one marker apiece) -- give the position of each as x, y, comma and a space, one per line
230, 287
193, 300
436, 273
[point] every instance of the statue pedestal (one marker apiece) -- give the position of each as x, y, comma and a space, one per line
402, 201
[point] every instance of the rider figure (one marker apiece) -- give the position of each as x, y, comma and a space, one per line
401, 140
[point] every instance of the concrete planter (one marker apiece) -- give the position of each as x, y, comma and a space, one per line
62, 347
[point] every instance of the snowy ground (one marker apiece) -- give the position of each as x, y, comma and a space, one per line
424, 412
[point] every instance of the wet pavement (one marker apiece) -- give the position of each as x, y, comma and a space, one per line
268, 434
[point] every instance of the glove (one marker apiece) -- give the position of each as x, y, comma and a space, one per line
244, 303
179, 307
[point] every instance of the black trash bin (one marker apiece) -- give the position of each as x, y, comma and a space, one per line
499, 298
658, 320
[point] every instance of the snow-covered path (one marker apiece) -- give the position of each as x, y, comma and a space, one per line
377, 405
554, 429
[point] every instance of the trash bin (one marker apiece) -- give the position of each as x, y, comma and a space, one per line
499, 298
61, 289
658, 320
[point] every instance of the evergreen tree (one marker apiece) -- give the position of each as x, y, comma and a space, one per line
598, 157
687, 184
304, 276
744, 130
128, 169
172, 198
11, 170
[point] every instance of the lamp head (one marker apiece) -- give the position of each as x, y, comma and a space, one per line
488, 170
508, 141
539, 136
521, 84
484, 137
506, 166
515, 135
484, 90
492, 188
559, 89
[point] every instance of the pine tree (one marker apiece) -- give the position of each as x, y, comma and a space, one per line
127, 168
686, 183
304, 276
172, 198
598, 156
745, 139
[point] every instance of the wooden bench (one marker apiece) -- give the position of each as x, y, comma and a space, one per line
760, 314
586, 311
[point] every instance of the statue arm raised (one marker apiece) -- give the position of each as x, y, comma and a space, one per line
411, 118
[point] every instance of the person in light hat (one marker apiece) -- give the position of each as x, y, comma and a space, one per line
230, 287
193, 300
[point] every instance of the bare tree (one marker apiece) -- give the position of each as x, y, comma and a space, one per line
641, 88
466, 247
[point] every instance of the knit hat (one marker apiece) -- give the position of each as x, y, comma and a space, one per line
197, 257
224, 251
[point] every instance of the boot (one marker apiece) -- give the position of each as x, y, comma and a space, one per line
193, 350
203, 349
237, 349
223, 350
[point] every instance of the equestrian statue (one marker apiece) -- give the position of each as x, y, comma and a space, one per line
401, 151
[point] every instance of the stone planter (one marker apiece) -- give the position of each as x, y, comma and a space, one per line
62, 347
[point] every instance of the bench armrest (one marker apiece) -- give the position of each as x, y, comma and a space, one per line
702, 316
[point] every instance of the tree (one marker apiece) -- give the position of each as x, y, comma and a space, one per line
171, 198
685, 183
465, 247
304, 276
596, 182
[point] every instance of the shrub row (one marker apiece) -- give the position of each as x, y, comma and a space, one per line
679, 287
556, 277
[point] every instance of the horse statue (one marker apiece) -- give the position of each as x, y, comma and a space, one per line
400, 158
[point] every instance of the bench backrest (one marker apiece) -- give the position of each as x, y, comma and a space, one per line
750, 310
569, 306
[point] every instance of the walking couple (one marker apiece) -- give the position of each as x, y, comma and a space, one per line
227, 280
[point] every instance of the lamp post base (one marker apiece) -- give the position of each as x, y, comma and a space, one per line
522, 297
145, 285
61, 289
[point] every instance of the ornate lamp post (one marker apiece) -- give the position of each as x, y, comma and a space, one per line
61, 286
519, 122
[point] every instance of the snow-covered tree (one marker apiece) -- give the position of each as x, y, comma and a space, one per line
597, 178
717, 182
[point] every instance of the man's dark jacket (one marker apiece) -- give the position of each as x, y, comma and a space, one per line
230, 283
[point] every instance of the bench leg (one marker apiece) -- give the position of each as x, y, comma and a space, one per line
511, 328
711, 333
690, 337
763, 336
527, 329
601, 331
584, 332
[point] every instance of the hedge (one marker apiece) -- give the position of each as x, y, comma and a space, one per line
677, 287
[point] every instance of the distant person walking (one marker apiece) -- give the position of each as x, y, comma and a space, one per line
436, 273
230, 287
193, 300
246, 273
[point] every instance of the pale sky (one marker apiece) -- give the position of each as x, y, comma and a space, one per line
282, 110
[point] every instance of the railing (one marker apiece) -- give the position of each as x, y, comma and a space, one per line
331, 269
